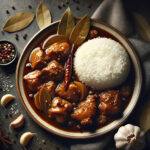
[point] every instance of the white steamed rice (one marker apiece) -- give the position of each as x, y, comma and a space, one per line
101, 63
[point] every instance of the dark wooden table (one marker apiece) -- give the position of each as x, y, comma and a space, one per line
7, 74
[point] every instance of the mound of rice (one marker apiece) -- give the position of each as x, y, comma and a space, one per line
101, 63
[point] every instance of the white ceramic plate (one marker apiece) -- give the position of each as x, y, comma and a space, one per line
115, 124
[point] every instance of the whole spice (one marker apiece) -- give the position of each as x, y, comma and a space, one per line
18, 22
7, 11
13, 7
4, 142
43, 16
68, 68
66, 24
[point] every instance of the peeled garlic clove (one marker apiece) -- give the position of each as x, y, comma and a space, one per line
6, 99
18, 122
25, 138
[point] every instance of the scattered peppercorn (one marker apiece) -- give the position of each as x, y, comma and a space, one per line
25, 36
10, 115
90, 6
63, 4
16, 36
77, 8
16, 135
7, 11
59, 6
13, 7
6, 116
29, 6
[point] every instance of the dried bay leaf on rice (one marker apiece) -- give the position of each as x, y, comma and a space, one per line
80, 31
53, 39
144, 117
66, 24
43, 16
142, 26
18, 22
44, 99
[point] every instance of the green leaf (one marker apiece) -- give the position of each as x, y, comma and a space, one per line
66, 24
80, 31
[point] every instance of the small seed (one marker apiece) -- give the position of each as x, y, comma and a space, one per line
7, 11
59, 6
13, 7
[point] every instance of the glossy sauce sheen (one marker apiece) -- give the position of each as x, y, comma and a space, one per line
130, 81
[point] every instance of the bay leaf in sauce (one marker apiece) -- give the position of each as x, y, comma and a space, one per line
44, 99
80, 31
66, 24
53, 39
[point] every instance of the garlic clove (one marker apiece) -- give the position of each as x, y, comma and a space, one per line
6, 99
121, 144
120, 137
137, 131
18, 122
25, 138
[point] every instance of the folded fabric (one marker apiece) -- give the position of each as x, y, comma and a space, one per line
113, 13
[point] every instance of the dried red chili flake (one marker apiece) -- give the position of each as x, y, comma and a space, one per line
7, 11
13, 7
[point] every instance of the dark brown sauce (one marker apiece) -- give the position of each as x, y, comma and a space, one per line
130, 81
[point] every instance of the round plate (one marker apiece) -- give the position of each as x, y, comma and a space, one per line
115, 124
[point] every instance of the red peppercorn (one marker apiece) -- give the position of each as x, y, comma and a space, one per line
7, 11
16, 34
13, 7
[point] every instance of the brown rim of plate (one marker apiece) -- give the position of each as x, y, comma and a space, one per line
69, 136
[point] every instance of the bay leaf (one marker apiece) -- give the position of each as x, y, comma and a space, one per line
142, 26
53, 39
44, 99
80, 31
43, 16
66, 24
18, 22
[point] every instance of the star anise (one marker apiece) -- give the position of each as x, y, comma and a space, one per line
4, 142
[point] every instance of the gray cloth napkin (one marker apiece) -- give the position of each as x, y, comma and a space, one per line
113, 13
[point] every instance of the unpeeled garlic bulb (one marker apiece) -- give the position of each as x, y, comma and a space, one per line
129, 137
6, 99
25, 138
18, 122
